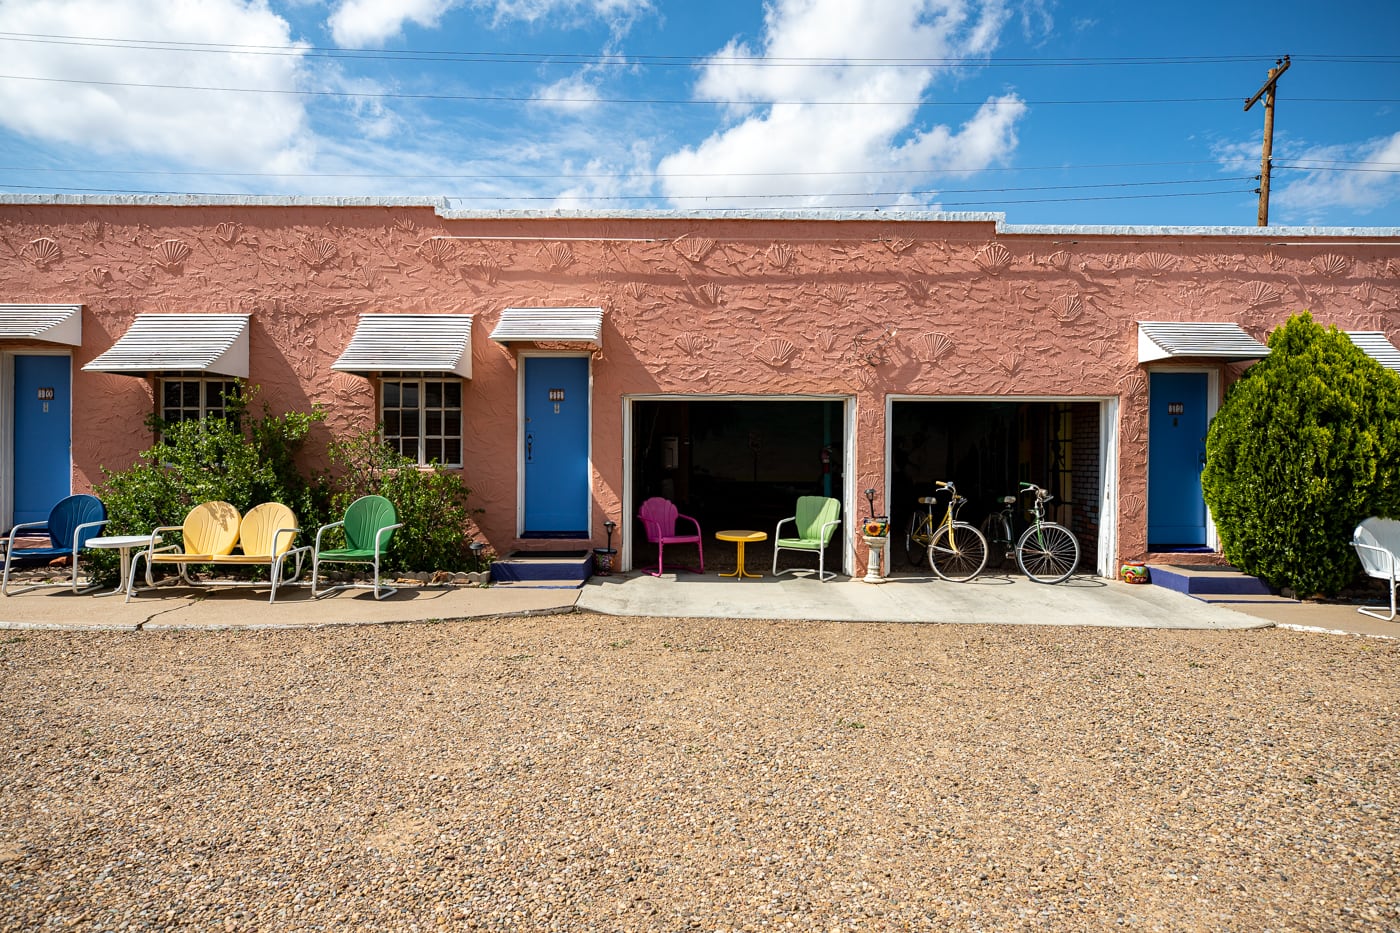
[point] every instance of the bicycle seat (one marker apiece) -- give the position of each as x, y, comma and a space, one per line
928, 500
1008, 500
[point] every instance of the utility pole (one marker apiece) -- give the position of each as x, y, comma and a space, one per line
1267, 92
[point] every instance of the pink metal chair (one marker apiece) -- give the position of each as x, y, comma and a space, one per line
659, 516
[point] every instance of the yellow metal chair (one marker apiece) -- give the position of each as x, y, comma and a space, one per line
265, 538
210, 531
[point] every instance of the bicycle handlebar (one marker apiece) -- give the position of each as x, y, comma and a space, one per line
1040, 492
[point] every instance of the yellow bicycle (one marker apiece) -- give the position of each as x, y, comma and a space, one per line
955, 550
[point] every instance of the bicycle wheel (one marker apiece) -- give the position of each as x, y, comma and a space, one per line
958, 552
1047, 553
998, 539
916, 539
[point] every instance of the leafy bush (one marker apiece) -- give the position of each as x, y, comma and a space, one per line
430, 501
247, 460
1305, 445
242, 460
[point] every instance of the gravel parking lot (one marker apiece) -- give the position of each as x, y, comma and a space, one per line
583, 772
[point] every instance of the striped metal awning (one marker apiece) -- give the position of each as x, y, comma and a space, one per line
49, 323
553, 325
384, 343
1162, 340
1377, 346
160, 343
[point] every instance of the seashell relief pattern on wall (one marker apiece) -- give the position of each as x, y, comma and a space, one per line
725, 307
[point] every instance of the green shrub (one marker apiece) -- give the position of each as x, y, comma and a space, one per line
243, 460
1305, 445
247, 460
430, 501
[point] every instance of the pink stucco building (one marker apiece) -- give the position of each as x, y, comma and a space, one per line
572, 366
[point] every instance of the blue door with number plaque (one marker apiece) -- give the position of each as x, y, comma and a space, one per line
43, 432
556, 447
1176, 453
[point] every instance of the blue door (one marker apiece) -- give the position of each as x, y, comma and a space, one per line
556, 446
43, 432
1176, 452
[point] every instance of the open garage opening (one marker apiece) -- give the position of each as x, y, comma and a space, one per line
988, 448
736, 464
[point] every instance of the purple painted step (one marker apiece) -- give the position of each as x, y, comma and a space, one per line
1212, 584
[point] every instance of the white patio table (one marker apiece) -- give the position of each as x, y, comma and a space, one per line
124, 544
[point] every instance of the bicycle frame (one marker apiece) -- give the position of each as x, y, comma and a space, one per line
999, 528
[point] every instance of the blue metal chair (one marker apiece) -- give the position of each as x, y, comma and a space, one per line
71, 523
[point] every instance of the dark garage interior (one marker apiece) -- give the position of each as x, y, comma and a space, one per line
736, 464
987, 449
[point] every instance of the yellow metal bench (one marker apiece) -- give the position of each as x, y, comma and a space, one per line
209, 535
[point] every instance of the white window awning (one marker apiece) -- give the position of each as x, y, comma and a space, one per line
553, 325
49, 323
1162, 340
1375, 345
159, 343
397, 343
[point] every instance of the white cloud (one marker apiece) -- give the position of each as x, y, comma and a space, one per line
1332, 185
1238, 158
230, 130
625, 180
873, 126
1319, 184
619, 13
362, 23
574, 94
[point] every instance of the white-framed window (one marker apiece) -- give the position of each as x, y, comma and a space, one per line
191, 398
422, 418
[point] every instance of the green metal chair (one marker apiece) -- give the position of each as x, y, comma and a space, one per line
369, 523
816, 519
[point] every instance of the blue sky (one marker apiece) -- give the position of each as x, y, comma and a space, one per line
1050, 112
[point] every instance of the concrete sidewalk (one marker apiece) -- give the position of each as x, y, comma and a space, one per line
247, 608
1001, 599
988, 600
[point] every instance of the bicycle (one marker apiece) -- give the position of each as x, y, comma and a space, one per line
955, 550
1046, 552
997, 529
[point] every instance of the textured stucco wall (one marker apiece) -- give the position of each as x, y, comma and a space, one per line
693, 306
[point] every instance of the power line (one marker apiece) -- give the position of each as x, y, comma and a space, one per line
691, 101
630, 60
917, 192
717, 197
926, 192
577, 58
654, 176
606, 175
1314, 168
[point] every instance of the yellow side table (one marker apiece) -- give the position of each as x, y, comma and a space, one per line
741, 538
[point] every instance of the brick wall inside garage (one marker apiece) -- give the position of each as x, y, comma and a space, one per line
1087, 482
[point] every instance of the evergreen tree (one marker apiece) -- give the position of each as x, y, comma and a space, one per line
1304, 446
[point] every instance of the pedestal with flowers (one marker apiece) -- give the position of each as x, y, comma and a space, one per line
876, 531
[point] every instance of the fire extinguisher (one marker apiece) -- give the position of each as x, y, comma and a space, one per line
826, 460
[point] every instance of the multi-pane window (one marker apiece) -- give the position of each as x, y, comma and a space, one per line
195, 399
422, 419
